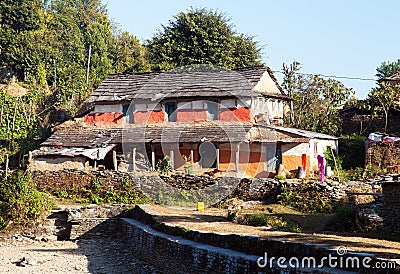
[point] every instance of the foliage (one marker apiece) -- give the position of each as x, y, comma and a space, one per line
330, 161
97, 193
387, 68
20, 201
316, 101
306, 198
187, 166
201, 36
343, 219
257, 219
383, 98
279, 177
164, 166
352, 151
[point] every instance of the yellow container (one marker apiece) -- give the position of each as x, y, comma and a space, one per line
200, 206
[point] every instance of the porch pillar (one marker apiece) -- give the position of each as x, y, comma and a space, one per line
153, 158
191, 156
115, 160
172, 159
134, 159
237, 158
218, 158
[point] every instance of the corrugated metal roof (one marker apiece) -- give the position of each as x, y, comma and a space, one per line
302, 133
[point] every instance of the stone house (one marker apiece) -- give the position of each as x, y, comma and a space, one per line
205, 120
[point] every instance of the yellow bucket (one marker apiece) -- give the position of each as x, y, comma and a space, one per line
200, 206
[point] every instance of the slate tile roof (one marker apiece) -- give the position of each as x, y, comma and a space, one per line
181, 84
168, 133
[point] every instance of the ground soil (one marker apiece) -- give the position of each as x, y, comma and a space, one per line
213, 219
101, 255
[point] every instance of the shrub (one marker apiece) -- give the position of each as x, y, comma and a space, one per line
20, 201
308, 198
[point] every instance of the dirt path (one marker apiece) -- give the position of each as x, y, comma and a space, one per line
82, 256
214, 220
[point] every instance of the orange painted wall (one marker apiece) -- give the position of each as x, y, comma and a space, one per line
104, 119
191, 115
292, 162
235, 115
149, 117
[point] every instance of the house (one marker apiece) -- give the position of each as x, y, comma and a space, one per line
203, 119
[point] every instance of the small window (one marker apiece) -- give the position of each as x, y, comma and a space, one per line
212, 110
170, 110
128, 114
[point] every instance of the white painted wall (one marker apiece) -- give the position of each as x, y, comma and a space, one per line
318, 147
57, 163
266, 84
107, 108
295, 149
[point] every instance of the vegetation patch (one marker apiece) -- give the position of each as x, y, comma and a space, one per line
307, 198
20, 201
97, 193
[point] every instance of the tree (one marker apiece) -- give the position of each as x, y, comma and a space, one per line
128, 54
316, 101
201, 36
387, 68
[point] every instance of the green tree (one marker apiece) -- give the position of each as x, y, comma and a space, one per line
128, 54
387, 68
316, 101
383, 98
201, 36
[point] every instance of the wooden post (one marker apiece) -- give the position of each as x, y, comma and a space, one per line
134, 159
172, 159
191, 156
95, 165
237, 158
334, 160
115, 160
218, 158
153, 159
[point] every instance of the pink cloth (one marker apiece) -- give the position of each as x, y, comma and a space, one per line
321, 166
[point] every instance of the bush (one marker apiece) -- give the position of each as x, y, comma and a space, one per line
352, 151
20, 201
343, 219
307, 198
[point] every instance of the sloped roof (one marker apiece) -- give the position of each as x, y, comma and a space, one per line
199, 82
168, 133
395, 77
301, 133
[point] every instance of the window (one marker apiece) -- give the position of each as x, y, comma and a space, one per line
170, 110
212, 110
128, 114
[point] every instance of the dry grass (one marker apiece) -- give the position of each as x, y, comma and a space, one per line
213, 220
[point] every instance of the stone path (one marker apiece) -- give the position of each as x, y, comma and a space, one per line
110, 255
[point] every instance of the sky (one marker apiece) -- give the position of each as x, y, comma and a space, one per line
334, 38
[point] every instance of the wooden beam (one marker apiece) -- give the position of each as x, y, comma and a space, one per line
134, 159
115, 160
218, 158
237, 158
191, 156
172, 159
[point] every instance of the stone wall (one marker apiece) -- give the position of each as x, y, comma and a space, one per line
391, 207
262, 189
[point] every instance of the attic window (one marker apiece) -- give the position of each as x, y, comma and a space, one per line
170, 110
128, 114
